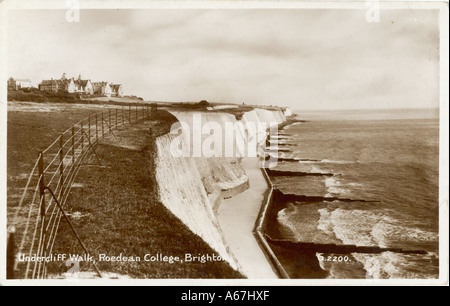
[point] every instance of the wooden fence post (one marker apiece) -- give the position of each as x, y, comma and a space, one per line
82, 136
41, 183
103, 127
96, 128
116, 117
10, 254
129, 113
73, 145
61, 164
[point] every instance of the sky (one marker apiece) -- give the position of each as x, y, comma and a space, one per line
301, 58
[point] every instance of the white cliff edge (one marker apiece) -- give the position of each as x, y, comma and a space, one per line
193, 187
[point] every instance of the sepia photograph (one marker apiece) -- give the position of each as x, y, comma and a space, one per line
224, 143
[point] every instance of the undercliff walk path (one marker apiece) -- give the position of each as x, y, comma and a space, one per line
237, 217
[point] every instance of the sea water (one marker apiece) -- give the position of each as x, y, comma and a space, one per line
390, 160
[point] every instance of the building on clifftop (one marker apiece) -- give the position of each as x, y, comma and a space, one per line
16, 84
62, 85
102, 88
116, 90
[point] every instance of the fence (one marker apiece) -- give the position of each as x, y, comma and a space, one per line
35, 224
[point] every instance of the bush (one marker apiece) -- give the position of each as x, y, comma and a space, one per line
203, 103
37, 97
41, 96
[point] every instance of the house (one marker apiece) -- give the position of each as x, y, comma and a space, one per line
16, 84
83, 86
116, 90
102, 88
63, 84
49, 86
68, 85
80, 86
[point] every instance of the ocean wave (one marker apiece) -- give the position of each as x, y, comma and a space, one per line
389, 265
315, 169
368, 171
369, 227
354, 226
387, 229
300, 223
325, 223
288, 224
335, 187
329, 161
287, 127
306, 161
374, 228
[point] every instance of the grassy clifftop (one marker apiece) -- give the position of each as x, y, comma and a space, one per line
119, 211
35, 95
114, 207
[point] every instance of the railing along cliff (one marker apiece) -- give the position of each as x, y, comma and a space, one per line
34, 226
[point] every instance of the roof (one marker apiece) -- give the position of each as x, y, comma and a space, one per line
99, 83
59, 82
48, 82
82, 82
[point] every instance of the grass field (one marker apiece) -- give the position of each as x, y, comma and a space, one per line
31, 127
115, 207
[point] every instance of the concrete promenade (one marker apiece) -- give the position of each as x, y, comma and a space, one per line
237, 217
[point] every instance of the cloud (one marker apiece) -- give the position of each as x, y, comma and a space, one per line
305, 58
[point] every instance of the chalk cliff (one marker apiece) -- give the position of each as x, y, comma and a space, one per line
192, 182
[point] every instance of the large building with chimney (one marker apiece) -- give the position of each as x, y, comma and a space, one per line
82, 86
58, 85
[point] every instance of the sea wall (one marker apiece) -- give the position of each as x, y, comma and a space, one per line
192, 185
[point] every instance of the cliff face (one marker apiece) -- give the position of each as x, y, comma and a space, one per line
192, 182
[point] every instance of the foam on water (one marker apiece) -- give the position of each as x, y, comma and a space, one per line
370, 228
287, 127
389, 265
355, 226
380, 170
325, 223
328, 161
385, 229
310, 228
335, 187
315, 169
